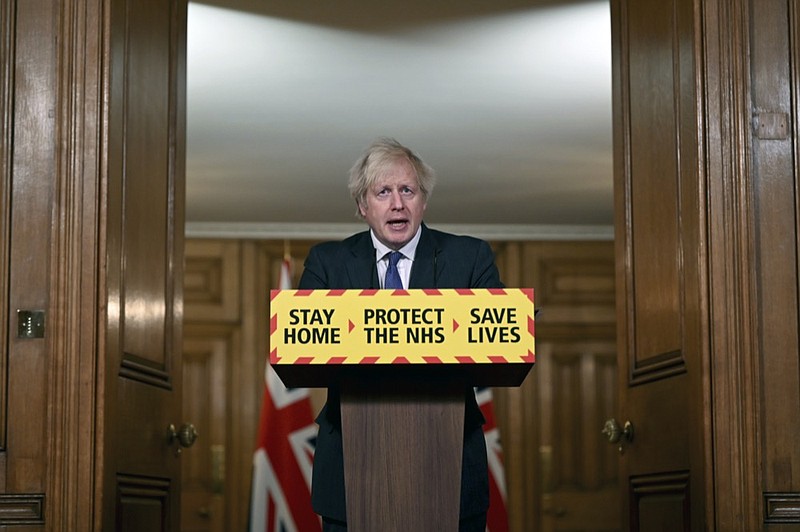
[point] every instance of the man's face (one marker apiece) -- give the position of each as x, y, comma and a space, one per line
394, 206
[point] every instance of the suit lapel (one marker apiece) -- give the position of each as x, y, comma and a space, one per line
362, 271
427, 262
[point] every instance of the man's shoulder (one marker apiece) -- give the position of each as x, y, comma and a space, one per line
444, 239
338, 246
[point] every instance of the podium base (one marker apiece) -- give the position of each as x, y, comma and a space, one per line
402, 445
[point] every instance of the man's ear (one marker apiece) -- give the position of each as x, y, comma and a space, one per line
361, 209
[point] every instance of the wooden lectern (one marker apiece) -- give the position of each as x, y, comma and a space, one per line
402, 445
403, 433
402, 436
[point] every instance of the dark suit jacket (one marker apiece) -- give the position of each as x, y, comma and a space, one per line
442, 260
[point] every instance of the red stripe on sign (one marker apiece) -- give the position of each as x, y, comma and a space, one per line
368, 360
498, 359
432, 292
335, 292
455, 325
400, 360
531, 357
528, 292
531, 327
336, 360
350, 326
273, 356
273, 294
465, 360
303, 293
368, 292
497, 291
400, 292
432, 360
464, 291
304, 360
273, 324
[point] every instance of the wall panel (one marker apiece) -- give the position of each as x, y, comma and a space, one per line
574, 285
775, 181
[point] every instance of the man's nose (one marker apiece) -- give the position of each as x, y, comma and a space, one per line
397, 200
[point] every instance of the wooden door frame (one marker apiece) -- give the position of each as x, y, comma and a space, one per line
75, 316
732, 371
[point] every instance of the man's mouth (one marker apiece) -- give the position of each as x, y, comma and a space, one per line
397, 224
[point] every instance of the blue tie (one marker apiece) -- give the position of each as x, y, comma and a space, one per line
392, 279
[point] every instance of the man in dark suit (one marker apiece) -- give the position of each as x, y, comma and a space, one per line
391, 186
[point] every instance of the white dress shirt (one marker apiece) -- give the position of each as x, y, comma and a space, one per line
404, 264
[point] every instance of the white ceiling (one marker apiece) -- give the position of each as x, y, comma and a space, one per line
509, 100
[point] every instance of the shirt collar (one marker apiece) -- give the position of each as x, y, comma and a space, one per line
408, 251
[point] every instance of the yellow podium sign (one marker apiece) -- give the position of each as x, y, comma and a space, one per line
448, 326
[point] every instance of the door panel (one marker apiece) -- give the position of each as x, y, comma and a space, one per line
216, 478
145, 250
226, 284
571, 481
28, 153
207, 352
655, 192
577, 379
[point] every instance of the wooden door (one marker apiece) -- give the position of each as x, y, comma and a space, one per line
559, 473
577, 380
91, 189
144, 250
215, 486
206, 352
661, 264
226, 287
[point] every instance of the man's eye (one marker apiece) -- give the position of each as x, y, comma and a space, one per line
383, 192
407, 191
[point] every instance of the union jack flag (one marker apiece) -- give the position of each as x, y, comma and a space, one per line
281, 489
281, 497
497, 517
